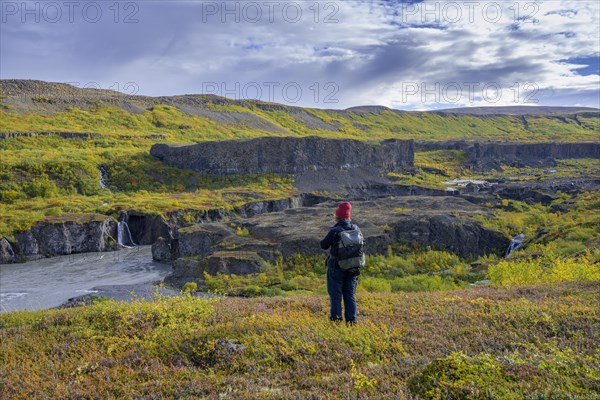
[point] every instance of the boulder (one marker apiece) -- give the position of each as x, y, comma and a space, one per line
201, 239
7, 253
162, 250
192, 269
185, 270
464, 237
234, 262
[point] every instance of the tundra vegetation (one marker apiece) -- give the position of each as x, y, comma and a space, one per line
487, 343
430, 325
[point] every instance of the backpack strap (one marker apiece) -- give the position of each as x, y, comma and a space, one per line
352, 227
336, 239
339, 230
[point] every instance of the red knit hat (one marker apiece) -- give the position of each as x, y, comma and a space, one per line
343, 210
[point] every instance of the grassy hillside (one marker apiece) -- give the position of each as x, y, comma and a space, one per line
45, 176
531, 342
454, 340
167, 120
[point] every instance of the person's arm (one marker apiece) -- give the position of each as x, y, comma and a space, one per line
328, 239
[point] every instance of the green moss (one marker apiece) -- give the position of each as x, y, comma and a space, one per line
78, 218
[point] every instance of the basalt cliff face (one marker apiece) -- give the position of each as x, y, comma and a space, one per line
287, 155
436, 222
65, 235
492, 155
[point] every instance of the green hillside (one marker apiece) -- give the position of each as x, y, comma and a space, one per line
174, 124
51, 175
478, 330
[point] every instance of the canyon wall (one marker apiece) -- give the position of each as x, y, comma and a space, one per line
286, 155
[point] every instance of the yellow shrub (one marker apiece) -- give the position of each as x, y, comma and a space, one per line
546, 269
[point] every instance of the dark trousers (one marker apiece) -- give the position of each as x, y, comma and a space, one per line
340, 285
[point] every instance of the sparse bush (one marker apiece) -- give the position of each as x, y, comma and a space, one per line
289, 285
374, 285
251, 291
190, 287
423, 283
9, 196
242, 232
548, 268
41, 187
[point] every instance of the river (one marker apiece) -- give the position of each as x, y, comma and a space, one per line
49, 282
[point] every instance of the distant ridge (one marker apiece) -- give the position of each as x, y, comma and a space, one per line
36, 88
515, 110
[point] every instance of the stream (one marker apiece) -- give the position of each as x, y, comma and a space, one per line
50, 282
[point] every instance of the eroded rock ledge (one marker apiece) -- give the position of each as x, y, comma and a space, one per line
444, 223
492, 155
65, 234
286, 155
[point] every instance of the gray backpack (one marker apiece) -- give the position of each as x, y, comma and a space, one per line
351, 252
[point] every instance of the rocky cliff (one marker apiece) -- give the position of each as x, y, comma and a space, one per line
286, 155
436, 222
429, 220
66, 234
80, 233
492, 155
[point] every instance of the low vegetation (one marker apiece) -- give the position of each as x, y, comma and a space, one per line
530, 342
166, 120
462, 339
403, 269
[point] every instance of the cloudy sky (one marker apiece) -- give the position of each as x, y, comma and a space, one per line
326, 54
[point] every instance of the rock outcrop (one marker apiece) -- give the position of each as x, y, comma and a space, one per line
484, 156
242, 245
163, 250
492, 155
286, 155
7, 253
67, 234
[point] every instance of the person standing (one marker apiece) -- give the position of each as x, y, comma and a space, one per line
341, 284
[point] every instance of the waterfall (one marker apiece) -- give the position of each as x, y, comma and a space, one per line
102, 177
124, 237
11, 251
515, 244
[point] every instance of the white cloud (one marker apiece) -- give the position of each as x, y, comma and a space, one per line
373, 53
